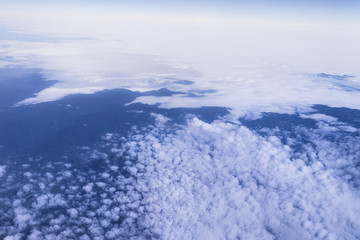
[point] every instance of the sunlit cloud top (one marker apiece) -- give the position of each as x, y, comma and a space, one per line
244, 50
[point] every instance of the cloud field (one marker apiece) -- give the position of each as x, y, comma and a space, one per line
249, 65
199, 181
224, 179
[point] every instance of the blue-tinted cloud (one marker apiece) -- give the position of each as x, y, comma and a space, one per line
203, 180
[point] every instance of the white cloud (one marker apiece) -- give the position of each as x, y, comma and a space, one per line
319, 116
15, 237
2, 170
73, 212
35, 235
88, 188
231, 183
22, 217
253, 65
202, 180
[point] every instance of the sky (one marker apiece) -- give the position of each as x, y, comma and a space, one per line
199, 180
319, 10
229, 46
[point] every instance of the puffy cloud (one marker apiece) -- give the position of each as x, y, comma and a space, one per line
22, 217
88, 188
202, 180
2, 170
221, 181
73, 212
15, 237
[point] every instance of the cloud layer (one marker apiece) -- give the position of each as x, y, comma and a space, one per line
203, 180
253, 65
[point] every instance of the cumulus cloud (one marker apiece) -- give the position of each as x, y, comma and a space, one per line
215, 180
88, 188
2, 170
221, 181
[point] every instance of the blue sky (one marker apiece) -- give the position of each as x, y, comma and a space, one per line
305, 10
83, 45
